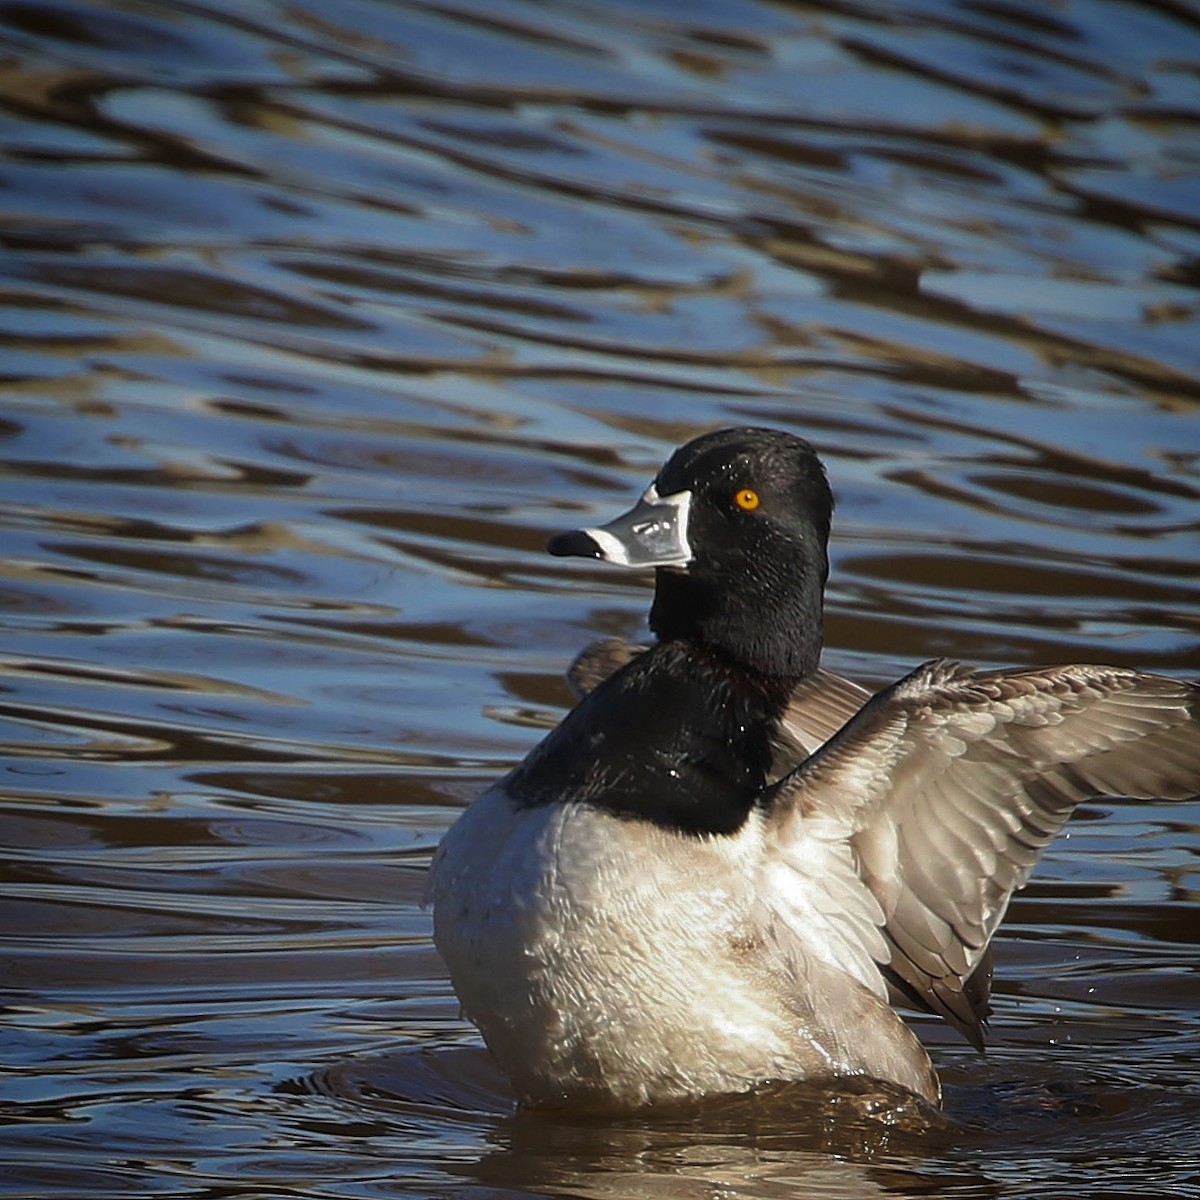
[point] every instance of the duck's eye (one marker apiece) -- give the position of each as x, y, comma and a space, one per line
747, 498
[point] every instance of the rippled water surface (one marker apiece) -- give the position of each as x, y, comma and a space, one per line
317, 317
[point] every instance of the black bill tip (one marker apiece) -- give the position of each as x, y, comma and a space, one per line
576, 544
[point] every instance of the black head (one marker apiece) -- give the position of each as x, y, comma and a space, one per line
736, 523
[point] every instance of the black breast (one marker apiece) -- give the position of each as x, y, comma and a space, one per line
677, 737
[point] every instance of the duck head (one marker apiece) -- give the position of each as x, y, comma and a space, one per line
736, 526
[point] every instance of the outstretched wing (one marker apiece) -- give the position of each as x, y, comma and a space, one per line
948, 786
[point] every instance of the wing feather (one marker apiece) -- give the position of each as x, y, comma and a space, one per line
949, 786
819, 706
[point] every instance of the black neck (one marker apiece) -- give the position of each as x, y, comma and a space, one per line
778, 638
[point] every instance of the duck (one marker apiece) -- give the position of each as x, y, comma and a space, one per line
727, 867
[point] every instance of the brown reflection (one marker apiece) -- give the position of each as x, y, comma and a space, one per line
199, 291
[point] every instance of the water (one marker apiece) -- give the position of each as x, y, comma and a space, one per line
316, 319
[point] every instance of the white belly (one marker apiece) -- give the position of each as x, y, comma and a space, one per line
611, 961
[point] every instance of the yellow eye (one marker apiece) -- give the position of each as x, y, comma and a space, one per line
747, 498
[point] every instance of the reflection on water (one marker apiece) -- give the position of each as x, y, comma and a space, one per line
316, 319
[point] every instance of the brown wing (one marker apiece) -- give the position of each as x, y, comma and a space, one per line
597, 661
821, 704
950, 784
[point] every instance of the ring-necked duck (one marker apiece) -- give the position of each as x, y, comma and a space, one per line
725, 864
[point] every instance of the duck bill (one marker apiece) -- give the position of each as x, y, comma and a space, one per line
651, 534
